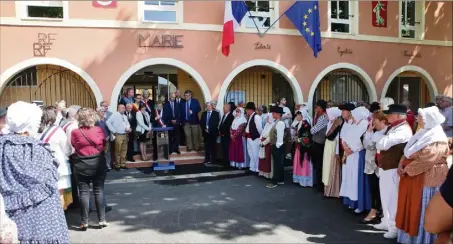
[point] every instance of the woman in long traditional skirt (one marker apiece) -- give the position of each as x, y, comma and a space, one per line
302, 167
360, 116
331, 160
421, 175
50, 132
237, 142
376, 131
265, 163
354, 153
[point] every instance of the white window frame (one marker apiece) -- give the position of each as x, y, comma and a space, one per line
351, 21
419, 20
22, 9
178, 8
272, 14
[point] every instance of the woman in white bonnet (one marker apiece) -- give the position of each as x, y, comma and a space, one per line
422, 171
331, 160
237, 153
28, 178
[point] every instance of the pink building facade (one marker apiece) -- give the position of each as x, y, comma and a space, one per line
105, 45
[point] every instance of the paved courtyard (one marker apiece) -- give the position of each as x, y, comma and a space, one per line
225, 209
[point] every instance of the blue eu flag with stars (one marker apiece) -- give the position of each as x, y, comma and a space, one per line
305, 16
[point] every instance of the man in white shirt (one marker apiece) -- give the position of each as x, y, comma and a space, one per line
252, 133
72, 123
276, 136
391, 147
105, 106
287, 115
287, 118
61, 105
119, 126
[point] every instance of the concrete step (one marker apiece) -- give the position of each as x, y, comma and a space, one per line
180, 161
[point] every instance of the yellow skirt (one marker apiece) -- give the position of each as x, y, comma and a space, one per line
66, 197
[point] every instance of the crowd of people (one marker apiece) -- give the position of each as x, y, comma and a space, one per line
382, 159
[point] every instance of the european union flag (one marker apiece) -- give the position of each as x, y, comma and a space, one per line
305, 16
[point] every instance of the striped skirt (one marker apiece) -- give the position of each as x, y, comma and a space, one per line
423, 237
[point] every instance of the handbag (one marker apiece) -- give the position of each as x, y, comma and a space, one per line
91, 165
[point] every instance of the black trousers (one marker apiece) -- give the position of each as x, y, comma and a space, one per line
83, 183
182, 136
316, 158
174, 138
75, 189
278, 155
375, 194
210, 148
130, 145
225, 143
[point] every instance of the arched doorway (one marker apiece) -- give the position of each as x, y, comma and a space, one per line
341, 85
262, 74
188, 75
160, 81
161, 76
48, 84
343, 82
261, 85
410, 83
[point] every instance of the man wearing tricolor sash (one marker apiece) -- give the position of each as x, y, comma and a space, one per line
159, 121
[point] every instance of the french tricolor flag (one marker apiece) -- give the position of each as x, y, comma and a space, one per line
234, 13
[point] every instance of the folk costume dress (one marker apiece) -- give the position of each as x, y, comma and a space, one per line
302, 167
29, 186
425, 170
361, 115
265, 163
55, 136
352, 169
238, 150
331, 172
8, 229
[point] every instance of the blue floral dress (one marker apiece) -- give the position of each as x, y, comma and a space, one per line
28, 184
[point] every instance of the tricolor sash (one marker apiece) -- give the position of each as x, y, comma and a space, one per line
45, 137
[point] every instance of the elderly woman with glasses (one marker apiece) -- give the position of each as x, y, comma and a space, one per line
29, 178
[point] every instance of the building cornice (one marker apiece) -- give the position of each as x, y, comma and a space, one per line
114, 24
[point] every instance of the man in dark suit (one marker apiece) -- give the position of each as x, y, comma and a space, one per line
179, 103
131, 143
191, 108
210, 129
172, 113
159, 120
224, 130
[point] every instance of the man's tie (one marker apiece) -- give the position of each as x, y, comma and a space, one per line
187, 110
223, 118
173, 109
207, 120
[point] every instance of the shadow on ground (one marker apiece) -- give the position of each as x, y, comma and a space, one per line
227, 210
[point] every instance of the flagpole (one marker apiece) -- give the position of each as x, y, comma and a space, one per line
253, 19
278, 19
262, 34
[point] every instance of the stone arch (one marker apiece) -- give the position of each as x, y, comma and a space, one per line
157, 61
15, 69
298, 96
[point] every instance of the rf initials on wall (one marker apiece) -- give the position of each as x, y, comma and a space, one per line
43, 44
